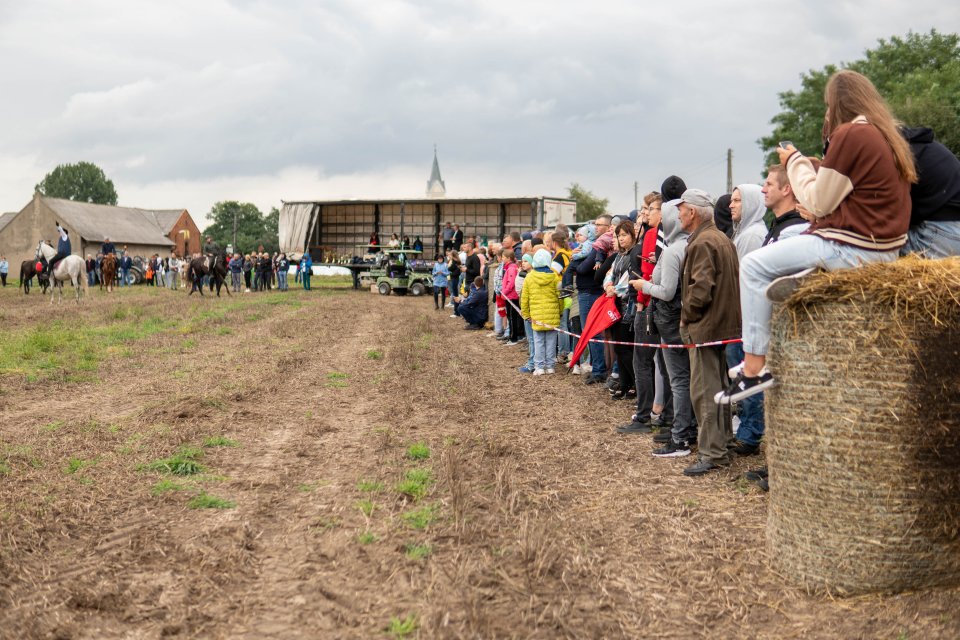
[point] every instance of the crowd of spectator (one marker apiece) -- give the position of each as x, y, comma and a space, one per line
691, 279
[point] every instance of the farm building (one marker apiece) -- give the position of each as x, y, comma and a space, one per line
333, 230
144, 231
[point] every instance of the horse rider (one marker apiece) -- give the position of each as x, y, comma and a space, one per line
63, 250
108, 247
213, 250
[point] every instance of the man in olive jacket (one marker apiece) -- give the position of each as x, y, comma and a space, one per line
711, 311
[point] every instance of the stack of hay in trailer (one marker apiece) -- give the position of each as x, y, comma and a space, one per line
864, 441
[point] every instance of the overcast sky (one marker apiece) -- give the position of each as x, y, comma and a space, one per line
184, 103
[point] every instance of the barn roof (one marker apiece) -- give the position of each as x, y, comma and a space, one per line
164, 218
95, 222
6, 217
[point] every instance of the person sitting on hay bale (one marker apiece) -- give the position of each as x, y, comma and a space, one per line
853, 225
935, 219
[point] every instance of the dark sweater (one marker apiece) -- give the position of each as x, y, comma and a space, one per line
936, 196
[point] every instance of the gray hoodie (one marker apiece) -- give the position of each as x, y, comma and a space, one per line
666, 275
751, 231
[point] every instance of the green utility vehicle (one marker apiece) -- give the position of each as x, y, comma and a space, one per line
394, 272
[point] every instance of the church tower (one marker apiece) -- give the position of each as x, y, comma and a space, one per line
435, 185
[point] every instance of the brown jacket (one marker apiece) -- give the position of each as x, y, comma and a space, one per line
711, 286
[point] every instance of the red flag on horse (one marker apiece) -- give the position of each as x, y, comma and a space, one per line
602, 314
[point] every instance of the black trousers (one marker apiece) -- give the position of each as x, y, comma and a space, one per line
621, 332
644, 370
439, 297
515, 321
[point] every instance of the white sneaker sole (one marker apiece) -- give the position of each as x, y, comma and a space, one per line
733, 372
683, 453
782, 288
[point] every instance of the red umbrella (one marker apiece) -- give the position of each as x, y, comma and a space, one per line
602, 314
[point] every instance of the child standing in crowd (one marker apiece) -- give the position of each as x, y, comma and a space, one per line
540, 302
440, 275
511, 297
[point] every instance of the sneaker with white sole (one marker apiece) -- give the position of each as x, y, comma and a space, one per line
783, 287
576, 369
744, 387
551, 371
539, 372
672, 449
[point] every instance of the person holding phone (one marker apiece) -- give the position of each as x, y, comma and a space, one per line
852, 225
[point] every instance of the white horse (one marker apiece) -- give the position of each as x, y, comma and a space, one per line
71, 268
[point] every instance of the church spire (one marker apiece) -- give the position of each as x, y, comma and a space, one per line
436, 188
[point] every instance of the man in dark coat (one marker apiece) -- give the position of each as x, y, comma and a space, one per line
473, 308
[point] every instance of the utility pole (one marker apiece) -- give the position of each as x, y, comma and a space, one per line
636, 194
729, 170
235, 230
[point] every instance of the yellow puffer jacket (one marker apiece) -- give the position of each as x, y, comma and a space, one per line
540, 299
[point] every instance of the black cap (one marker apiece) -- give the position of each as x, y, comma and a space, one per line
672, 188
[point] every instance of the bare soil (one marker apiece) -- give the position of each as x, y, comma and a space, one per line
545, 523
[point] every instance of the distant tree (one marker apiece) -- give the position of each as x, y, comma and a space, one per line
82, 182
589, 206
918, 75
253, 228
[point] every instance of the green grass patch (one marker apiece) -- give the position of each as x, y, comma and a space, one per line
224, 331
337, 380
53, 426
418, 451
373, 354
4, 468
415, 483
420, 518
77, 464
402, 627
369, 486
220, 441
417, 551
204, 500
367, 537
366, 507
166, 485
182, 463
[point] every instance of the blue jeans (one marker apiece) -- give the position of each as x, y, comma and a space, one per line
528, 326
90, 278
751, 409
933, 239
124, 274
282, 280
791, 255
597, 360
544, 349
563, 340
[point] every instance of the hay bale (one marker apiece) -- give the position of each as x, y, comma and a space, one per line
864, 437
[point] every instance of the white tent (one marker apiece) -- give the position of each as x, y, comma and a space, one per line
294, 227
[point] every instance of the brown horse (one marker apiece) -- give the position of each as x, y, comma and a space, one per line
108, 267
28, 269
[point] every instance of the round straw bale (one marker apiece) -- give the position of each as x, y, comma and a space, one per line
864, 430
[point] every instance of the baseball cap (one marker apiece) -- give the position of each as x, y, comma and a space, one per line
696, 197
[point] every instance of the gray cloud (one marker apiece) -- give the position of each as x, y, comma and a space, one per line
526, 96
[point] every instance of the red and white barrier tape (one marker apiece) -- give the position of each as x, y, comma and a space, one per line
714, 343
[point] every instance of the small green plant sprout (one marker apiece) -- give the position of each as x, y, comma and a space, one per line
420, 518
182, 463
374, 354
369, 486
337, 380
400, 628
418, 451
415, 483
417, 551
53, 426
220, 441
4, 467
204, 500
76, 464
367, 537
366, 507
166, 485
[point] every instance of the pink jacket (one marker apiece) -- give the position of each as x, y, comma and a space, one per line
508, 284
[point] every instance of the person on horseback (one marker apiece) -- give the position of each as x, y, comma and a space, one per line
108, 247
63, 250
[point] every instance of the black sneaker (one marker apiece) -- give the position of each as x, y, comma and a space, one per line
744, 449
756, 475
594, 380
701, 467
744, 387
613, 384
764, 484
635, 427
672, 449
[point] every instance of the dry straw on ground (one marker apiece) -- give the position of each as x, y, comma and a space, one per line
864, 443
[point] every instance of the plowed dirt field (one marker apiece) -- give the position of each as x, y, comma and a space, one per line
337, 464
